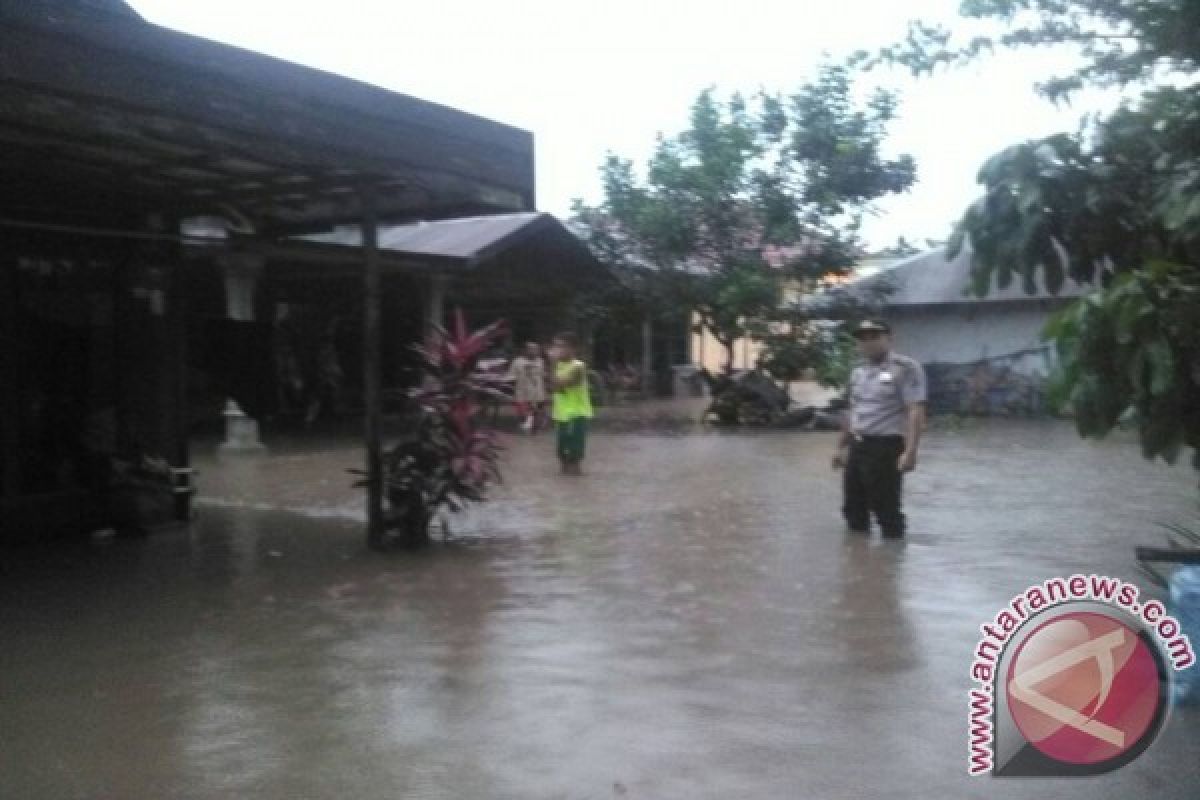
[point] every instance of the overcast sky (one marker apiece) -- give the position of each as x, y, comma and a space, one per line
591, 77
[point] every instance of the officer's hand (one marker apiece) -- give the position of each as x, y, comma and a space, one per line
839, 459
907, 462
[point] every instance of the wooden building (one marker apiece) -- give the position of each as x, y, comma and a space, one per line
144, 176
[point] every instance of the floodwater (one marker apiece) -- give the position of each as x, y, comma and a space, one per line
688, 620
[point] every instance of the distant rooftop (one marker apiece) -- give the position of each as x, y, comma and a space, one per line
468, 239
931, 278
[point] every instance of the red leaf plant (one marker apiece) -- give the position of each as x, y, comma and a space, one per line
450, 458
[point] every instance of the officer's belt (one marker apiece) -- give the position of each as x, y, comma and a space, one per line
876, 437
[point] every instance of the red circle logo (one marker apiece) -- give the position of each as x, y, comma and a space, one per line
1084, 688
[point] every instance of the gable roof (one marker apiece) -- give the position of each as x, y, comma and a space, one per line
466, 241
931, 278
505, 259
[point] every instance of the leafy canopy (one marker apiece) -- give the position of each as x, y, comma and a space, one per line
755, 193
1116, 205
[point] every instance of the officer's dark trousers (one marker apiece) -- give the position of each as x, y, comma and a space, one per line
873, 483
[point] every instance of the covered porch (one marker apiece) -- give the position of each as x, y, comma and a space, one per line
146, 174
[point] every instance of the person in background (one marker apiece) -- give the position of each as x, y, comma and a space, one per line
572, 404
528, 372
881, 431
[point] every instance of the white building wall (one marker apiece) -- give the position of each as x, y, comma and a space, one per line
952, 335
936, 334
707, 352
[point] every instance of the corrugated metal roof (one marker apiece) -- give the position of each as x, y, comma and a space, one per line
110, 7
933, 279
467, 239
158, 120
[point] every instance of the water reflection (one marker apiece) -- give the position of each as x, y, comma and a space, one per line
688, 621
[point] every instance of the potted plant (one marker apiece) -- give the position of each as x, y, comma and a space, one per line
449, 458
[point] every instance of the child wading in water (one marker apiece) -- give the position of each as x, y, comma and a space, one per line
572, 405
528, 372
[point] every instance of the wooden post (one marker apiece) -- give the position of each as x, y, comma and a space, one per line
241, 272
372, 300
177, 309
588, 341
435, 306
10, 475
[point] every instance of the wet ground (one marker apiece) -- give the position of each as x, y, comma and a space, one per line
689, 620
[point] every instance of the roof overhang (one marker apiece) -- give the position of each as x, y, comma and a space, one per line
102, 113
504, 253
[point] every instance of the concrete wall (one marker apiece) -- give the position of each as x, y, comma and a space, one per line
707, 352
967, 334
985, 359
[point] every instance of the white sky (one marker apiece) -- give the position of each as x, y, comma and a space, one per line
591, 77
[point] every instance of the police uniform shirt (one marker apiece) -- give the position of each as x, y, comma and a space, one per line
880, 393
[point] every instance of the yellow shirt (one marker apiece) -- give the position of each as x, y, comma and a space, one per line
574, 401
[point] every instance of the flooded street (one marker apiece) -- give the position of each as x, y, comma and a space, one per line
688, 620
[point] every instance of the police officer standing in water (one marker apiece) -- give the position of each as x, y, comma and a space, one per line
881, 431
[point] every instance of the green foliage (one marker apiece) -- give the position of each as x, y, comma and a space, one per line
1114, 205
841, 354
451, 457
1131, 354
755, 194
789, 355
1120, 42
904, 248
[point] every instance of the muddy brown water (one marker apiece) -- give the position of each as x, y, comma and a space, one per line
688, 620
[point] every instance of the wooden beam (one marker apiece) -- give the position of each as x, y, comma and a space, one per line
10, 465
435, 306
177, 310
372, 381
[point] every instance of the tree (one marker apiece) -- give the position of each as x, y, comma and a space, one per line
753, 195
901, 249
1119, 42
1116, 205
829, 351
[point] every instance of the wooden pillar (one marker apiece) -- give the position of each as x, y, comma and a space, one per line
177, 371
241, 272
587, 337
372, 388
10, 477
435, 303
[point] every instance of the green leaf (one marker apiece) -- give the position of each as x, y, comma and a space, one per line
1060, 323
1131, 312
1162, 367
